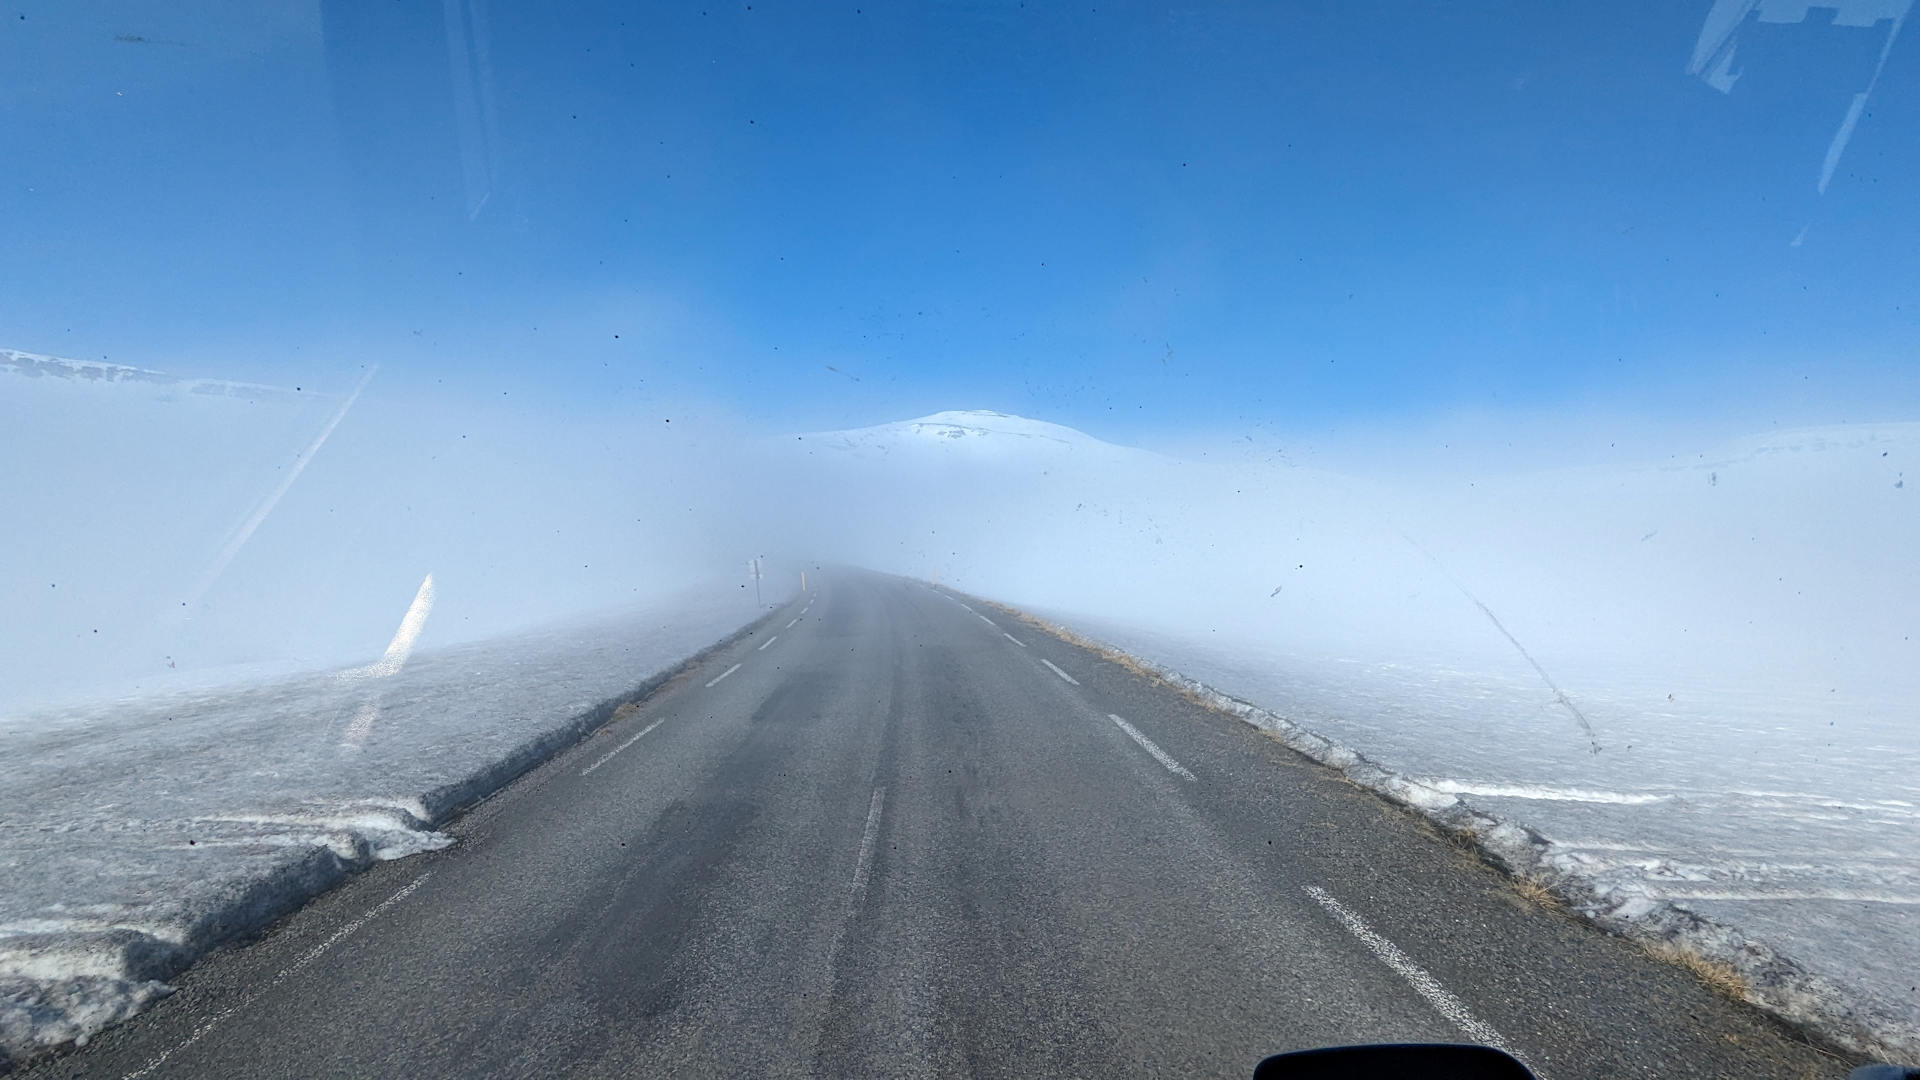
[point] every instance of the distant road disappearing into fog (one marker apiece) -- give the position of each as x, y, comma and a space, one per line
892, 834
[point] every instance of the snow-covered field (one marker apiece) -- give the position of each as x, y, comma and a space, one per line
182, 555
164, 532
1696, 676
135, 834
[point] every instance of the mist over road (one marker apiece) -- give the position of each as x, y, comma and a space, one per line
892, 835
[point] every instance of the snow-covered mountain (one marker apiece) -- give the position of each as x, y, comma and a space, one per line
79, 373
978, 435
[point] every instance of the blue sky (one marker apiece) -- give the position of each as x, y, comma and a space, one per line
1131, 218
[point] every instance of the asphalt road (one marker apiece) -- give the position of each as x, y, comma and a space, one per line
907, 838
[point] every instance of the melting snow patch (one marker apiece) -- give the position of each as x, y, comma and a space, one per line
35, 1012
1553, 794
370, 832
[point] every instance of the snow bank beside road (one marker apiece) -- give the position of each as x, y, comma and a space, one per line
1810, 899
137, 835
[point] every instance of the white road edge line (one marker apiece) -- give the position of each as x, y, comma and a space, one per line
789, 626
863, 866
986, 620
723, 675
1057, 671
1013, 639
306, 958
1150, 747
1425, 985
963, 604
608, 756
767, 642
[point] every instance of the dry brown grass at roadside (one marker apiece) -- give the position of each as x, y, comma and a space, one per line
1105, 652
1719, 977
1537, 894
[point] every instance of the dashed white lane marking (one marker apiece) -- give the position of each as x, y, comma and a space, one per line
723, 675
963, 604
986, 620
863, 866
1057, 671
1013, 639
790, 625
306, 958
768, 642
1425, 985
608, 756
1150, 747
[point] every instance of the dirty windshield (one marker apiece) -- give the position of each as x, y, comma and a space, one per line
972, 537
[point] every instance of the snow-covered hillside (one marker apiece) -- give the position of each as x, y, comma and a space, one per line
122, 487
976, 436
165, 532
60, 370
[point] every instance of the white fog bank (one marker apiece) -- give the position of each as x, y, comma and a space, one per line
164, 533
1784, 557
1696, 677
